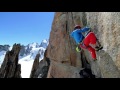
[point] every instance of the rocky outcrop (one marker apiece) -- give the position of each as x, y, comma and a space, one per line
10, 67
43, 68
61, 70
40, 69
66, 62
35, 66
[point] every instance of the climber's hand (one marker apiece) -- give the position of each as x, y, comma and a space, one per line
78, 49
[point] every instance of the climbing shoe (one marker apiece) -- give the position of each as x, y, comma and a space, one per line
98, 48
94, 59
78, 49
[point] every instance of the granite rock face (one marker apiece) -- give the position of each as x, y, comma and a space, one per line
66, 62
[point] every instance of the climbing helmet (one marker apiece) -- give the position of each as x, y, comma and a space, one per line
77, 26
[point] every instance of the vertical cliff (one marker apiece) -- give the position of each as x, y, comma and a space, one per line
66, 62
106, 25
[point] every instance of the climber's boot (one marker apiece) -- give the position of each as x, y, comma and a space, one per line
98, 48
94, 59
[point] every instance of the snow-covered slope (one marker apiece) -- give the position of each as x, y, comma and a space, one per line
27, 61
26, 66
2, 55
27, 56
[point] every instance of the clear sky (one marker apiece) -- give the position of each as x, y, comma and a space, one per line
25, 27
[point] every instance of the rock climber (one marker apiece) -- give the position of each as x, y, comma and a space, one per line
85, 41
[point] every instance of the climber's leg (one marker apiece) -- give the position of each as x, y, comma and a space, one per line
90, 39
90, 49
92, 52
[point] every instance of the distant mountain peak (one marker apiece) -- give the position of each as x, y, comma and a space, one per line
45, 40
30, 49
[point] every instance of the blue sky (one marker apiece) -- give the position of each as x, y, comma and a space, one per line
25, 27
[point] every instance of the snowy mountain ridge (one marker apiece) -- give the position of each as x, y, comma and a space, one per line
27, 55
